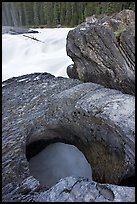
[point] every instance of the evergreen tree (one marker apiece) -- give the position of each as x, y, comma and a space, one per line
54, 13
35, 12
63, 13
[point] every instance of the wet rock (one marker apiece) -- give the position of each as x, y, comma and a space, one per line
103, 51
16, 30
98, 121
72, 72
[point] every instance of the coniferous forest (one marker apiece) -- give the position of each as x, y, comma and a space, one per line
67, 14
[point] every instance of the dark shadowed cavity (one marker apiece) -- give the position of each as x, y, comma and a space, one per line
51, 160
130, 181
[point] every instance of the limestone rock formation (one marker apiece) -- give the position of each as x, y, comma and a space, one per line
39, 109
103, 51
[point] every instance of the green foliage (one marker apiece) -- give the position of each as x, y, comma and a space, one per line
119, 32
67, 14
133, 33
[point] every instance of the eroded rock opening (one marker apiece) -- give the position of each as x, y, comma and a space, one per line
50, 161
91, 153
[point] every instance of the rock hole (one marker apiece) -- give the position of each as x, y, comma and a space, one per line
49, 163
75, 113
33, 149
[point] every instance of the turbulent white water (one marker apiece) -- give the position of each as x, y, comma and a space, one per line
22, 55
58, 161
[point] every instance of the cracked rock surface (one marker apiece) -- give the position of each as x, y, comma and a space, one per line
72, 189
97, 120
103, 51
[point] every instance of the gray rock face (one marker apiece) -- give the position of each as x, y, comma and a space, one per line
103, 51
73, 189
69, 189
98, 121
96, 116
16, 30
72, 72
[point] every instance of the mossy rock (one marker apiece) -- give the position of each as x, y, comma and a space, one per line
119, 33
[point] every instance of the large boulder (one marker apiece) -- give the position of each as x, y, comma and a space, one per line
103, 51
40, 109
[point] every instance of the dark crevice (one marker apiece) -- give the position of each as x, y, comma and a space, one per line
37, 146
130, 182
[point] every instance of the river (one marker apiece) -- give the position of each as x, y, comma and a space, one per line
23, 55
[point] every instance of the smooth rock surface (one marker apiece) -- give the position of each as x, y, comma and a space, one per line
98, 121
